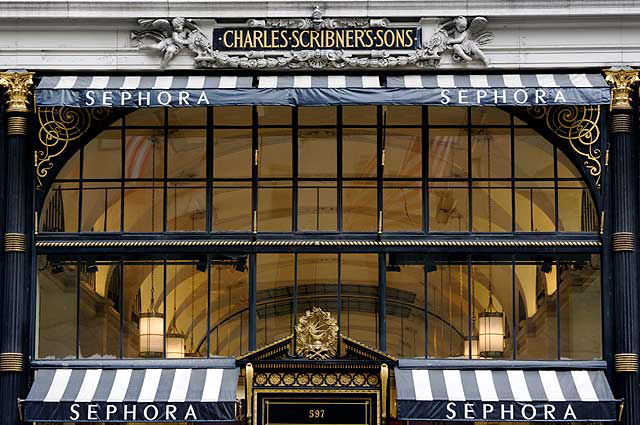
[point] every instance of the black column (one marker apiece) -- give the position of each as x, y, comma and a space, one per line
15, 321
624, 255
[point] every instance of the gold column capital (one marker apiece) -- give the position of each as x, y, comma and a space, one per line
621, 80
18, 85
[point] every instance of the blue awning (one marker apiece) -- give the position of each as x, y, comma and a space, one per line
321, 90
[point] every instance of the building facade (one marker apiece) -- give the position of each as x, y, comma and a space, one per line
277, 213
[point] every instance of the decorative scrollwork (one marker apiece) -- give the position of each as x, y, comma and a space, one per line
578, 125
317, 335
60, 126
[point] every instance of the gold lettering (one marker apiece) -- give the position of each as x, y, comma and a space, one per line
303, 36
330, 39
359, 36
389, 39
409, 38
257, 39
369, 39
237, 39
285, 38
296, 39
313, 39
379, 37
248, 41
339, 39
349, 38
224, 39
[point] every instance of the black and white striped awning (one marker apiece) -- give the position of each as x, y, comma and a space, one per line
132, 395
504, 395
315, 90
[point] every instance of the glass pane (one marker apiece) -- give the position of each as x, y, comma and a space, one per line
101, 207
274, 147
317, 206
359, 152
402, 206
232, 207
144, 154
275, 290
179, 300
483, 115
143, 309
537, 319
186, 207
566, 169
491, 153
405, 308
533, 155
448, 207
492, 207
274, 115
359, 297
232, 153
99, 310
148, 117
275, 206
448, 149
143, 207
60, 208
448, 309
103, 156
187, 154
359, 115
232, 115
71, 169
317, 283
317, 153
403, 153
535, 209
360, 206
447, 115
57, 308
317, 115
229, 326
576, 210
580, 314
403, 115
492, 286
187, 116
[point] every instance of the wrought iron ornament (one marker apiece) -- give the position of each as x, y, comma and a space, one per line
577, 125
317, 335
60, 126
461, 37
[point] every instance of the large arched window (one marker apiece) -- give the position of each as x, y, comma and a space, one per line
337, 172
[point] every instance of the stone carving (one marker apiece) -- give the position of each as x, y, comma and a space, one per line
317, 335
171, 37
455, 35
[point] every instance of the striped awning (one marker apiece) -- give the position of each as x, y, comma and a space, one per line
132, 395
328, 89
504, 395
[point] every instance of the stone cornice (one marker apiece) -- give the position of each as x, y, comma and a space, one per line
87, 9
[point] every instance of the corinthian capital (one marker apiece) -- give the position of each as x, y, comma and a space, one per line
621, 80
18, 86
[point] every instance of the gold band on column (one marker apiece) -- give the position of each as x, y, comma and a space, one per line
17, 125
15, 242
11, 362
626, 362
621, 123
623, 241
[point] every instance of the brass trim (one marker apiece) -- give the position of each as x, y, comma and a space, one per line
18, 86
272, 348
249, 386
623, 241
318, 243
626, 362
577, 125
17, 125
621, 123
384, 377
11, 362
15, 242
621, 80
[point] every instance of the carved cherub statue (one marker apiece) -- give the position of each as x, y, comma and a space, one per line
171, 37
462, 38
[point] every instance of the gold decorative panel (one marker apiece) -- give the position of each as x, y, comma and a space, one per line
317, 335
361, 379
579, 127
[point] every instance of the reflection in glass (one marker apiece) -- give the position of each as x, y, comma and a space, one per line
359, 152
231, 210
317, 206
101, 206
103, 156
233, 156
186, 154
402, 206
535, 208
359, 297
317, 279
448, 207
186, 206
275, 297
403, 153
317, 153
359, 206
143, 154
533, 155
143, 207
274, 147
448, 149
274, 206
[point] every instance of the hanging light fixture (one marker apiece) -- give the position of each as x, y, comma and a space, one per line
151, 321
491, 320
175, 338
192, 352
475, 349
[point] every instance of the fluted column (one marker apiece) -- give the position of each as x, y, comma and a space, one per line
14, 323
623, 244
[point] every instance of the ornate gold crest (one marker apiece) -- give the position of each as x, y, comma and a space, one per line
317, 335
